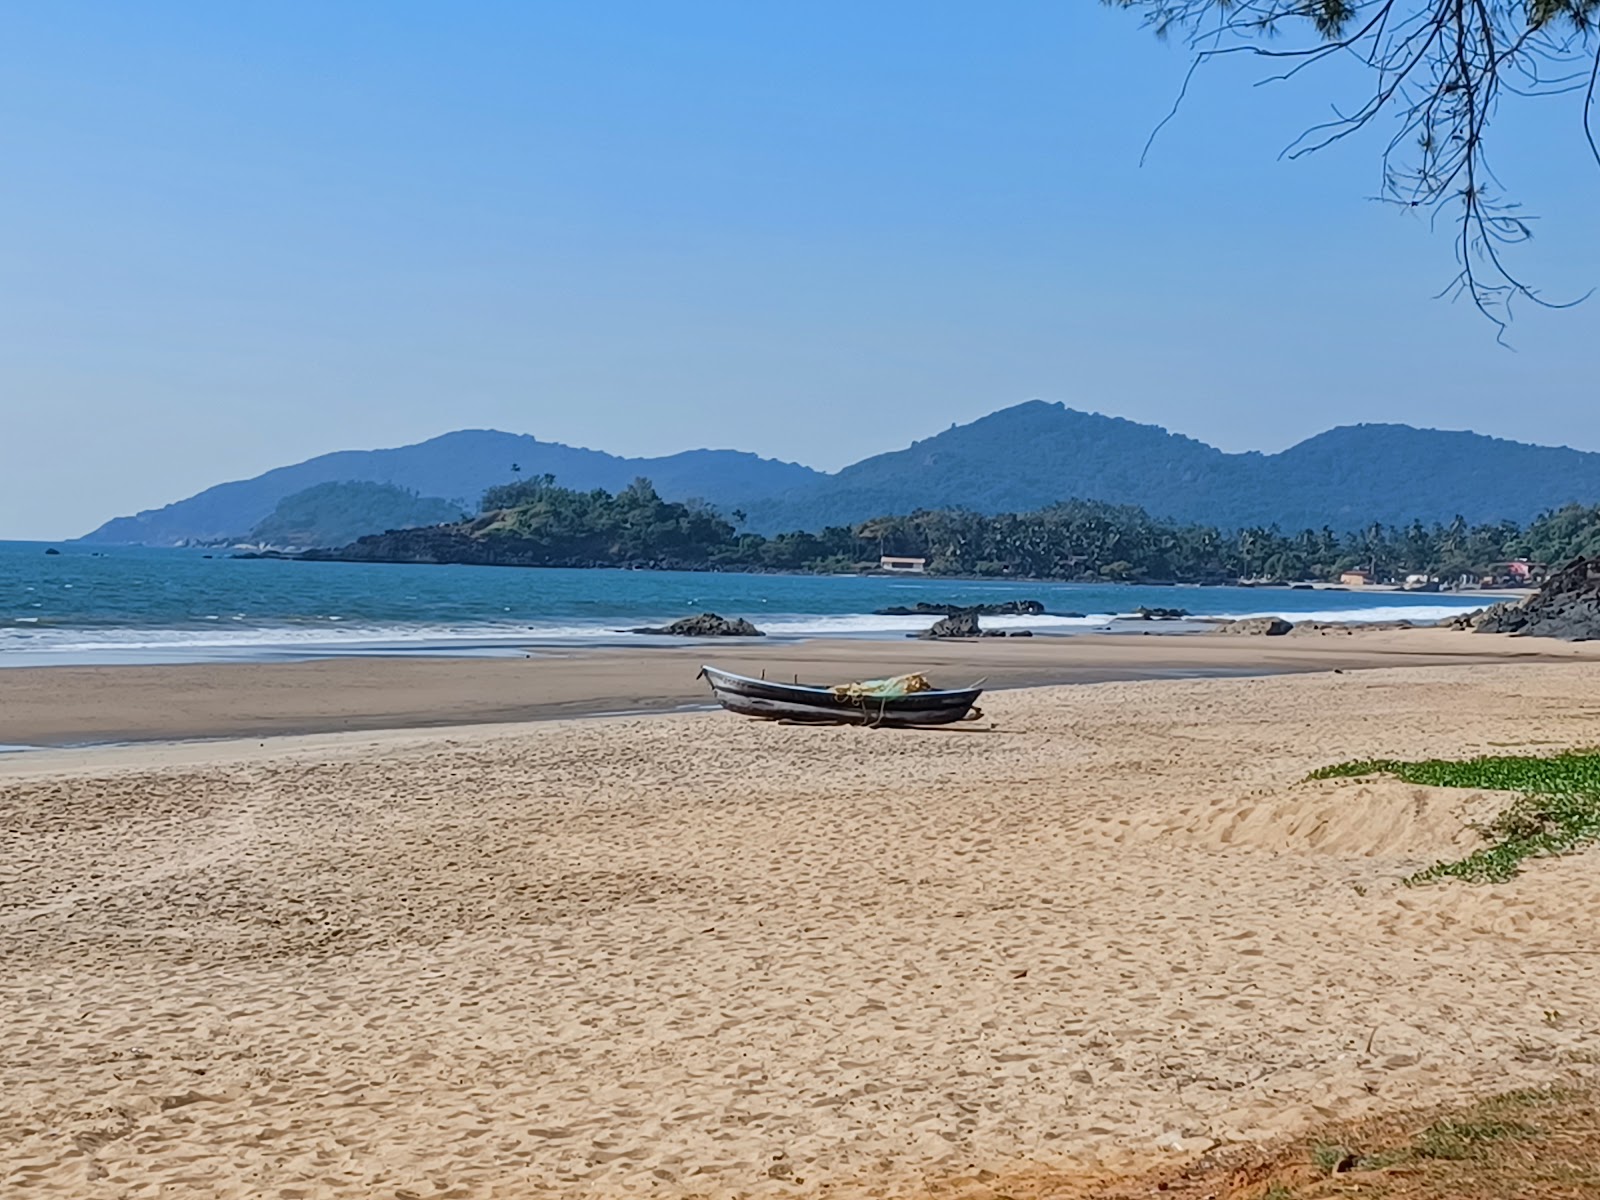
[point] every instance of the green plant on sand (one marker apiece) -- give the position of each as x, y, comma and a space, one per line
1557, 813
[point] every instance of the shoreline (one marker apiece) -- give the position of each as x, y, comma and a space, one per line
80, 708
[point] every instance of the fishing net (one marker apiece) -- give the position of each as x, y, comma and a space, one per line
883, 689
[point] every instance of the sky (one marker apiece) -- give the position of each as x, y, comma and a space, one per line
236, 236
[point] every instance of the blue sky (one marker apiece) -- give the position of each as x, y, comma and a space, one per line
237, 236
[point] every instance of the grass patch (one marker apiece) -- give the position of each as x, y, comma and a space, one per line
1558, 813
1460, 1140
1534, 1145
1330, 1159
1577, 771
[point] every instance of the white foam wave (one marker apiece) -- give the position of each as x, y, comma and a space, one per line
1417, 614
286, 638
329, 637
859, 624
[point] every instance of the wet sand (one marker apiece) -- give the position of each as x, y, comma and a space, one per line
55, 706
691, 955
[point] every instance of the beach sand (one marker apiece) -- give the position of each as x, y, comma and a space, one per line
693, 955
63, 706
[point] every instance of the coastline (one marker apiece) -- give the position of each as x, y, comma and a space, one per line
73, 706
693, 955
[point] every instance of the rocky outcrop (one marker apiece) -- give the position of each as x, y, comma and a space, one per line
1160, 614
963, 624
1007, 608
1566, 607
1469, 621
705, 625
1257, 627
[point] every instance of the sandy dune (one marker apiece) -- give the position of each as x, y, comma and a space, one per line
693, 955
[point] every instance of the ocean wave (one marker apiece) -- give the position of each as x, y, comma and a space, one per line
330, 635
268, 637
1417, 614
859, 624
345, 637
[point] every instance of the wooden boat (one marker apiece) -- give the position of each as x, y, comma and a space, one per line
773, 701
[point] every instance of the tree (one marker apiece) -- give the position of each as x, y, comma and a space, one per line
1442, 68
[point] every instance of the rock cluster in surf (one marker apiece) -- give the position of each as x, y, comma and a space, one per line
704, 625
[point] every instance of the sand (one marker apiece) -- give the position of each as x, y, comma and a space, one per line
55, 706
693, 955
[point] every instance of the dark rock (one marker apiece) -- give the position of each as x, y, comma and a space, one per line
705, 625
1007, 608
1160, 614
52, 550
1468, 621
1020, 633
1257, 626
1072, 614
1566, 607
963, 624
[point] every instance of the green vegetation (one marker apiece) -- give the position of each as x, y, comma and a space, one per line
1328, 1157
1558, 813
1534, 1145
536, 522
1576, 771
1536, 826
333, 514
1459, 1140
1086, 540
635, 526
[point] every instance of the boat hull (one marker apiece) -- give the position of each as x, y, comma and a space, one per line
772, 701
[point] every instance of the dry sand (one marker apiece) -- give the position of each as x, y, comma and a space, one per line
54, 706
694, 955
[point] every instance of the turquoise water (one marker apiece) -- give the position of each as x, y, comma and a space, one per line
140, 605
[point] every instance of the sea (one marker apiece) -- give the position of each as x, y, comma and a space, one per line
110, 605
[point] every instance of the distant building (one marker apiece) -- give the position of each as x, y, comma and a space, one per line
1520, 572
1356, 578
907, 566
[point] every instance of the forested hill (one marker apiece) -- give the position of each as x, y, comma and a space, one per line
1020, 459
536, 524
1037, 454
457, 467
333, 514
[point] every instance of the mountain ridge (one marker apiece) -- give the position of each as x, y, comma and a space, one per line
1020, 458
456, 466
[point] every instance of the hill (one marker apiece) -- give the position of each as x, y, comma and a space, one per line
1037, 454
1016, 460
458, 467
334, 514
